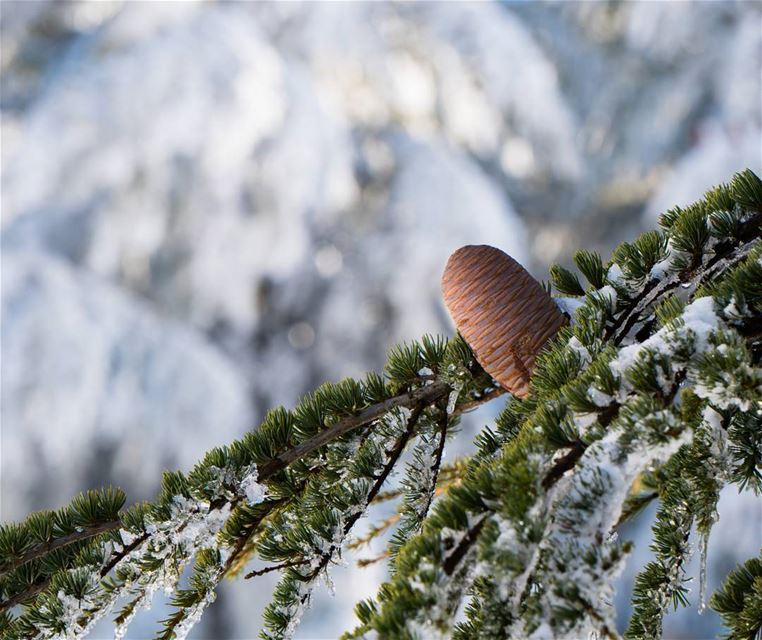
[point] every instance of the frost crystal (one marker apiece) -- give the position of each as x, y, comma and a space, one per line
183, 629
251, 489
453, 397
704, 543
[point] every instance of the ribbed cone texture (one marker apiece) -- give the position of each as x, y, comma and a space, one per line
502, 312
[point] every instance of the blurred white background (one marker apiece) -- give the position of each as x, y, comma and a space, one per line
209, 208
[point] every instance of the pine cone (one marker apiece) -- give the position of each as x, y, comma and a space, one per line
501, 311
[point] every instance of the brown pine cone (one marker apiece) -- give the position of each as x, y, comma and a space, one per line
501, 311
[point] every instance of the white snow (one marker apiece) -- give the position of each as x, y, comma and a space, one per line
699, 320
614, 274
254, 492
610, 293
660, 269
581, 350
569, 305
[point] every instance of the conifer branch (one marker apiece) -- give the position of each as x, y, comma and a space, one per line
423, 396
57, 543
375, 531
656, 290
453, 559
713, 247
24, 596
477, 402
366, 562
426, 395
394, 456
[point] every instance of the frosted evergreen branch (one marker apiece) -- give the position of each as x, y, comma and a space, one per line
424, 395
420, 481
277, 567
393, 457
293, 593
656, 289
634, 306
739, 601
24, 596
37, 552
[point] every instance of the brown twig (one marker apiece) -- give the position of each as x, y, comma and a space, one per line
275, 567
57, 543
472, 404
25, 595
375, 531
423, 395
366, 562
643, 500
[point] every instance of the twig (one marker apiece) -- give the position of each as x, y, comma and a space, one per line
643, 500
459, 552
437, 462
385, 496
375, 531
57, 543
275, 567
424, 395
490, 395
564, 464
655, 289
366, 562
25, 595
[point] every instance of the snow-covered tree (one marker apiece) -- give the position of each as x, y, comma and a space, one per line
652, 392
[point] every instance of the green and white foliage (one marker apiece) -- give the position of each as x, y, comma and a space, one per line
653, 391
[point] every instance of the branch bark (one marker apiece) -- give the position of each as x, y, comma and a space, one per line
424, 395
57, 543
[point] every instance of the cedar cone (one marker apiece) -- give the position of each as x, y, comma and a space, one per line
501, 311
